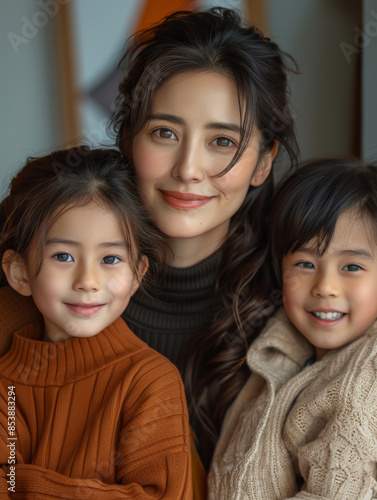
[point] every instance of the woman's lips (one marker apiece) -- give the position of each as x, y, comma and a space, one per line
184, 201
85, 309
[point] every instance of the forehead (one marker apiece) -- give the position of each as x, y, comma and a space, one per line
352, 226
213, 93
89, 221
352, 231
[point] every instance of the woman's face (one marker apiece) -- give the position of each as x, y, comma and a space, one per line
192, 135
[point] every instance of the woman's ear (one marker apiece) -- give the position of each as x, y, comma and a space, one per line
264, 168
15, 271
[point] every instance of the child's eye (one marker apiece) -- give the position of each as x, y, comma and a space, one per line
63, 257
110, 259
223, 142
305, 265
352, 267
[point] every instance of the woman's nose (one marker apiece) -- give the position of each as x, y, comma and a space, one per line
190, 164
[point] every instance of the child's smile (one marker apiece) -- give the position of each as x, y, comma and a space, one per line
85, 309
332, 298
328, 316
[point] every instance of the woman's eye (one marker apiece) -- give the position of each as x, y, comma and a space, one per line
305, 265
164, 133
223, 142
351, 267
110, 259
63, 257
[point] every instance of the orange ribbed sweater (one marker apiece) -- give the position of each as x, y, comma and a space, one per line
98, 418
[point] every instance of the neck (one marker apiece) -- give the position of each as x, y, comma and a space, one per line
187, 252
319, 353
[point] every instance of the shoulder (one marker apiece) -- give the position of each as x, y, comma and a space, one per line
131, 355
356, 358
345, 380
156, 370
15, 312
361, 366
151, 369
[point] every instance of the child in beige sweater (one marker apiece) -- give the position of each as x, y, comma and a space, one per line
305, 424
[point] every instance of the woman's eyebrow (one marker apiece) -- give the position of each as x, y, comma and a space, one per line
233, 127
167, 117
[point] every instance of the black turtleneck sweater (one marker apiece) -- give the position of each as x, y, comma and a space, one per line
184, 304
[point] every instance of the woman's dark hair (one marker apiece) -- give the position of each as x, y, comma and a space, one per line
309, 203
218, 41
48, 186
214, 40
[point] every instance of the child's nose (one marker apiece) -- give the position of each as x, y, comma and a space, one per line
326, 285
87, 279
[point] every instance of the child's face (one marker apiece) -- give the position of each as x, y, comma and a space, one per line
332, 299
85, 282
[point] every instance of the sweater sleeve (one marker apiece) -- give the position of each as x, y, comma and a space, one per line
152, 459
154, 447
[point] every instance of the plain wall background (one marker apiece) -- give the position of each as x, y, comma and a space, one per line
369, 81
313, 31
29, 88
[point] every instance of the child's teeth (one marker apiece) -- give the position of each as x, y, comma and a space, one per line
329, 315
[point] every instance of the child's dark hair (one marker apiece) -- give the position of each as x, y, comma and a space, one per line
308, 204
47, 186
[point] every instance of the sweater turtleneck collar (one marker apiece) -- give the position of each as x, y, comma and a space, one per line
33, 361
183, 304
184, 301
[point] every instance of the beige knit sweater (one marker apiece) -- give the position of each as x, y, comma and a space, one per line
301, 432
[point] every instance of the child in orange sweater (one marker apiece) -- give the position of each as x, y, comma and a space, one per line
87, 410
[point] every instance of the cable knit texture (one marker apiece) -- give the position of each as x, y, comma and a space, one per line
296, 431
99, 418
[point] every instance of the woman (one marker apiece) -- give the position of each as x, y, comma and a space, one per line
200, 115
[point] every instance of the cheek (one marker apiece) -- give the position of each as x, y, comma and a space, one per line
47, 283
147, 163
234, 188
143, 168
294, 290
364, 298
234, 181
121, 285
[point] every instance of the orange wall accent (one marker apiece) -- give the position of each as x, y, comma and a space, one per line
154, 10
71, 133
256, 10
